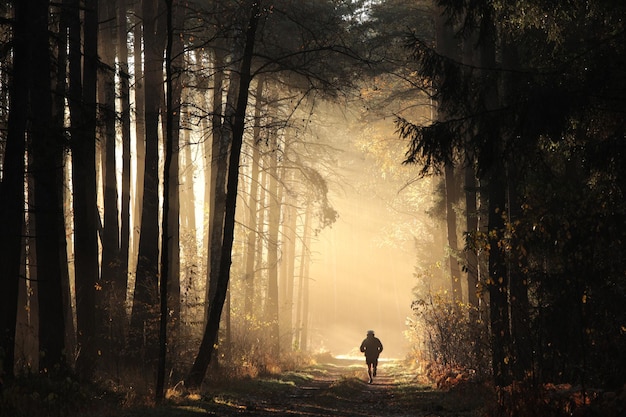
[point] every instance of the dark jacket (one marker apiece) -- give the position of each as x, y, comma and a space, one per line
371, 346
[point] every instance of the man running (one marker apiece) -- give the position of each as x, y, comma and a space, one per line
372, 347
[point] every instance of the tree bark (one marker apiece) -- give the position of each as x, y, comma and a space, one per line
169, 173
222, 133
521, 343
453, 245
498, 281
120, 280
177, 74
59, 115
198, 370
140, 130
290, 216
253, 202
143, 324
445, 44
47, 152
470, 57
82, 102
12, 185
305, 260
271, 305
471, 256
302, 304
107, 317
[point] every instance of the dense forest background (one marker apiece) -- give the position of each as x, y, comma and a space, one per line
164, 169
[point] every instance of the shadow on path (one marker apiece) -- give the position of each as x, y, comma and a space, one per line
337, 387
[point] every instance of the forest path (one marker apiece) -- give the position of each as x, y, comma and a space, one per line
337, 388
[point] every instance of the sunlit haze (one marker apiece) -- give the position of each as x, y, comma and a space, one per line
362, 272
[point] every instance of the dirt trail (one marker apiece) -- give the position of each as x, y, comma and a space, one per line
337, 388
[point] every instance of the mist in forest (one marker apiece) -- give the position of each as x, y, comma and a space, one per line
362, 271
357, 284
220, 190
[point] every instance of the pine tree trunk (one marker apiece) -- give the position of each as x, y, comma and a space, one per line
271, 306
303, 286
12, 186
259, 269
120, 284
170, 175
59, 115
306, 262
471, 256
143, 326
177, 62
453, 246
82, 102
498, 281
290, 217
251, 235
47, 152
140, 132
521, 343
198, 370
111, 228
445, 45
470, 58
222, 132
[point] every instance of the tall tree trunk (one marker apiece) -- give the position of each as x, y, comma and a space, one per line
27, 326
521, 343
222, 133
300, 324
290, 216
498, 281
143, 326
271, 306
198, 370
259, 269
498, 274
471, 255
47, 153
215, 123
169, 173
174, 113
453, 246
66, 254
470, 57
187, 193
59, 116
82, 101
140, 130
446, 46
12, 185
251, 235
120, 283
111, 228
304, 270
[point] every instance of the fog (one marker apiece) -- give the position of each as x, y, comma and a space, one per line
362, 270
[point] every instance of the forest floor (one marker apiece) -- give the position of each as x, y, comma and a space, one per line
335, 388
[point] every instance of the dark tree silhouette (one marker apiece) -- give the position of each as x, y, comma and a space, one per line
46, 150
12, 184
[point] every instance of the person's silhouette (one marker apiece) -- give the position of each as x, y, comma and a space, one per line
372, 347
